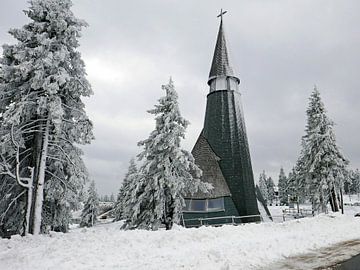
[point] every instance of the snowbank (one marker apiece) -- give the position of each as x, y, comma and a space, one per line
228, 247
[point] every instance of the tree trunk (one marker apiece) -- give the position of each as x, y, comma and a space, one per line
331, 202
334, 204
297, 205
29, 202
39, 195
323, 205
37, 146
341, 201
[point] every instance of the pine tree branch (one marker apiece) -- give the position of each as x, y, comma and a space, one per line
56, 158
10, 204
67, 157
58, 178
32, 122
72, 108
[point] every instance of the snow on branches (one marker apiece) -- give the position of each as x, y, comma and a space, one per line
91, 208
167, 172
42, 114
321, 167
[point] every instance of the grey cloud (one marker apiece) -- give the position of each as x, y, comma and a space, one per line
279, 48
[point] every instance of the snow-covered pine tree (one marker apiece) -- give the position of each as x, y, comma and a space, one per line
91, 208
43, 117
324, 166
263, 186
296, 186
167, 173
63, 196
283, 195
124, 197
354, 182
270, 186
13, 197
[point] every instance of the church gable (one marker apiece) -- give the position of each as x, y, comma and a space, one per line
207, 160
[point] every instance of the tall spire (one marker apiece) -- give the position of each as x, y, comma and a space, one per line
220, 66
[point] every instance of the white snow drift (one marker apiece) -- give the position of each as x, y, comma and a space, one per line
229, 247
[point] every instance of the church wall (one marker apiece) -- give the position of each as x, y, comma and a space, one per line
224, 128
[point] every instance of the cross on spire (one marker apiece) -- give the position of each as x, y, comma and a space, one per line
221, 14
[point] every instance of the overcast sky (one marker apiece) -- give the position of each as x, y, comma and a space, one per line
279, 50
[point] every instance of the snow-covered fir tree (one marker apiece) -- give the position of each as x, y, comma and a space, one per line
167, 172
282, 182
270, 186
293, 187
125, 195
353, 183
355, 186
263, 186
296, 186
43, 119
323, 166
91, 208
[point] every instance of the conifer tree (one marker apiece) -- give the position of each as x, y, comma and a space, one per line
167, 172
354, 182
297, 187
270, 186
263, 187
43, 117
125, 195
323, 166
91, 208
283, 194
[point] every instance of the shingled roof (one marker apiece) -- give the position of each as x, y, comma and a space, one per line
207, 160
220, 64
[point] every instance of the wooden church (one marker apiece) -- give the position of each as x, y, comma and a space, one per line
222, 152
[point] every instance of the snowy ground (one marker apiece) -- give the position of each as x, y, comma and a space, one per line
351, 207
248, 246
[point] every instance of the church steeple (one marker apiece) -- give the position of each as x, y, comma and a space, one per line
222, 75
224, 136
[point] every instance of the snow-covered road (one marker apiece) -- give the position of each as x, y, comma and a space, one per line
248, 246
319, 259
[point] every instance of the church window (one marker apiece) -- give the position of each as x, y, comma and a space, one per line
206, 205
216, 204
187, 205
198, 205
